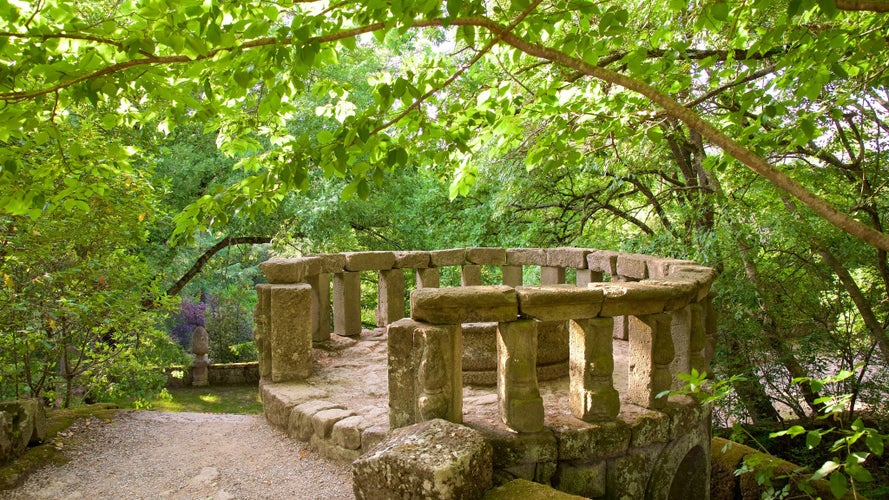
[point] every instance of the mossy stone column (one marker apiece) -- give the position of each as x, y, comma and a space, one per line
521, 407
592, 395
651, 352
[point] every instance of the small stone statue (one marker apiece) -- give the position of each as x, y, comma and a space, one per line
200, 346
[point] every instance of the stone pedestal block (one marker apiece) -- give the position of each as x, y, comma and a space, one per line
552, 275
428, 278
521, 407
320, 284
651, 352
471, 275
591, 386
435, 460
425, 379
347, 304
290, 333
512, 275
390, 297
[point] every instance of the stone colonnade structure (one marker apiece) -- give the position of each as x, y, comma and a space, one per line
635, 444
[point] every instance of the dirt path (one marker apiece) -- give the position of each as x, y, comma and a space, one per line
142, 454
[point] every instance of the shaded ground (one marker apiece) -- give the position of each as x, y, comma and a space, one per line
143, 454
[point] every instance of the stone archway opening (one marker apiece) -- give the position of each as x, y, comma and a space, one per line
688, 482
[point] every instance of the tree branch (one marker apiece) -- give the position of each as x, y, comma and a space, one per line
210, 252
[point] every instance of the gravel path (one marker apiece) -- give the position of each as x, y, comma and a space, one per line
143, 454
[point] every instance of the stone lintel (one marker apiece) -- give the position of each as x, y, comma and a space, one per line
632, 266
285, 271
369, 261
636, 298
526, 257
412, 260
464, 304
575, 258
604, 261
331, 262
450, 257
486, 256
555, 303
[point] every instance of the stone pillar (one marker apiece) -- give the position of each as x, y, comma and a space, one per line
425, 376
697, 344
521, 407
347, 303
709, 327
320, 284
261, 329
680, 330
621, 330
512, 275
200, 346
429, 277
587, 276
552, 275
592, 395
390, 296
471, 275
651, 352
291, 332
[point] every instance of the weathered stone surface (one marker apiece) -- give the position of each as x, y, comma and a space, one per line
552, 275
390, 296
373, 436
636, 298
435, 459
527, 490
412, 260
647, 427
369, 261
632, 266
604, 261
659, 268
582, 478
300, 424
567, 257
284, 271
346, 433
591, 386
680, 330
330, 262
592, 441
471, 275
262, 329
526, 257
22, 422
428, 278
521, 407
651, 352
479, 346
512, 275
290, 332
552, 303
328, 449
279, 399
464, 304
450, 257
586, 276
320, 284
347, 304
512, 448
627, 475
699, 276
552, 342
323, 421
486, 256
425, 380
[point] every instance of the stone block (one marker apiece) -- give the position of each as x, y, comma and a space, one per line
290, 332
479, 346
301, 424
323, 421
471, 275
647, 427
700, 277
512, 275
511, 448
369, 261
428, 278
347, 432
434, 459
486, 256
527, 490
328, 449
526, 257
552, 343
659, 268
261, 330
320, 284
591, 385
411, 260
450, 257
425, 380
632, 266
651, 352
24, 423
286, 271
582, 478
521, 407
604, 261
627, 476
633, 298
586, 276
680, 330
464, 304
373, 435
390, 296
347, 304
592, 441
553, 303
331, 262
567, 257
552, 275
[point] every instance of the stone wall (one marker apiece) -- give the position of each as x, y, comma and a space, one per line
599, 443
220, 374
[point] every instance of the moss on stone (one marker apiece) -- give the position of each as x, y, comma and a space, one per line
527, 490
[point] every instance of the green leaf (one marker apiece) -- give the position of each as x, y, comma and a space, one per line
874, 443
838, 484
813, 439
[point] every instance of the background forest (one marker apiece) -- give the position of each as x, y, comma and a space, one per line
152, 152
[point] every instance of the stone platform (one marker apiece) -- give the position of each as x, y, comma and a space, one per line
342, 410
